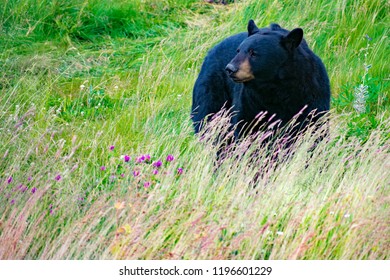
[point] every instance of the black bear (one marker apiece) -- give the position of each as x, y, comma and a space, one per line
265, 70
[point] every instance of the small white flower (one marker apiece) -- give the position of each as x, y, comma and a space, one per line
360, 95
279, 233
82, 87
116, 87
347, 215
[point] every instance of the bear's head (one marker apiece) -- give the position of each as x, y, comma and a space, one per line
263, 53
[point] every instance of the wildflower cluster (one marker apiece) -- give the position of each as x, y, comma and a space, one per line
19, 190
144, 170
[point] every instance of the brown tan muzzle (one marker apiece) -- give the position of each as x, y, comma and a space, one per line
241, 73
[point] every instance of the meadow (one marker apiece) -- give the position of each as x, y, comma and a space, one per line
98, 159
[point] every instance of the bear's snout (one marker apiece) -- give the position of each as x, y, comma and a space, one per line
231, 69
240, 71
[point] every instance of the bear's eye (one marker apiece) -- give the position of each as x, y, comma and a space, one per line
238, 50
252, 53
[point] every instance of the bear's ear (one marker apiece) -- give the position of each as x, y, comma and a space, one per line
252, 28
293, 39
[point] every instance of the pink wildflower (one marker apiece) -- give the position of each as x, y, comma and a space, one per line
170, 158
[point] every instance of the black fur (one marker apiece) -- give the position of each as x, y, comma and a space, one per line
282, 77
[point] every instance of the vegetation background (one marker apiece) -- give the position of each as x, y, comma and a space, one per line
98, 159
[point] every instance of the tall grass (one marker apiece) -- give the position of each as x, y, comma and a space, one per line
81, 77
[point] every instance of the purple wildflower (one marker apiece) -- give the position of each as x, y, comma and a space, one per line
155, 172
10, 179
170, 158
140, 159
157, 164
29, 178
147, 184
22, 188
136, 173
12, 201
33, 190
180, 171
58, 177
102, 168
112, 148
147, 157
126, 158
123, 175
112, 178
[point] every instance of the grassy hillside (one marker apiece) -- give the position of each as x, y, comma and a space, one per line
95, 95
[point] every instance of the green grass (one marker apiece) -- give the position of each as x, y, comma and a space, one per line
80, 77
